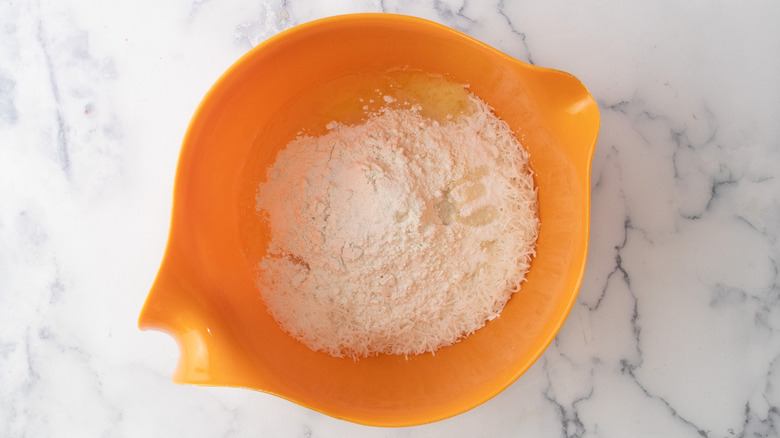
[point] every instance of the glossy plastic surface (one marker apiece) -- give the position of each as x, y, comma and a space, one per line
204, 294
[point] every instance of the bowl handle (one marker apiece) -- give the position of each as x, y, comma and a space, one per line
571, 111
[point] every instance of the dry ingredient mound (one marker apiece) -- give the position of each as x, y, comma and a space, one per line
400, 235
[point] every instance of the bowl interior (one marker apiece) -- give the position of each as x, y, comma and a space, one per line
205, 296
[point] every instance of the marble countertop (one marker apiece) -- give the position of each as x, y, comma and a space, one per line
676, 331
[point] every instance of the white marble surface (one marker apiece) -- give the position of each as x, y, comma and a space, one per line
676, 332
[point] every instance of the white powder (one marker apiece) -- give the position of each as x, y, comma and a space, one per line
400, 235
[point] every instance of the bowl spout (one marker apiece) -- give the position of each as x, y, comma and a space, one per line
210, 354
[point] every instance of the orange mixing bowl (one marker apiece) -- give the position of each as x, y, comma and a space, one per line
205, 296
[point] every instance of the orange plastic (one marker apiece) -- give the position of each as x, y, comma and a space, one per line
204, 294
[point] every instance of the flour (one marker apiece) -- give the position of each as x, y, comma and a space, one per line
400, 235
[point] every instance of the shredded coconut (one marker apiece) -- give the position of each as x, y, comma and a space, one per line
400, 235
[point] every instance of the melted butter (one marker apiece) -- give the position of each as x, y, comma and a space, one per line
352, 98
437, 97
468, 190
482, 216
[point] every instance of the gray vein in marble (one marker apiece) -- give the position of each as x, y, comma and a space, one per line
721, 180
628, 368
454, 17
618, 260
568, 414
763, 302
515, 31
255, 31
194, 8
753, 424
701, 170
69, 349
28, 229
57, 289
8, 111
717, 184
87, 129
619, 273
62, 140
31, 379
